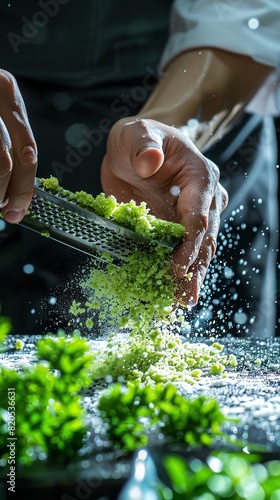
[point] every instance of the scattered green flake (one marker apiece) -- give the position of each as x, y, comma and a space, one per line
160, 356
89, 323
76, 308
45, 233
217, 368
19, 345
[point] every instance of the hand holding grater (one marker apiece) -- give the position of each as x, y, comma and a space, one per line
83, 230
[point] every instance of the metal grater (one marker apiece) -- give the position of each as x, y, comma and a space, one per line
83, 230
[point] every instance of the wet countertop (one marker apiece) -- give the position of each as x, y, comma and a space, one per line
250, 393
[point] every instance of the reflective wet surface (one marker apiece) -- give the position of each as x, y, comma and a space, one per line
249, 393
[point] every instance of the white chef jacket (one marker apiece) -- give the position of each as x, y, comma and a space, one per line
248, 27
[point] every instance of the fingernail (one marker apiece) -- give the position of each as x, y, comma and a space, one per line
14, 215
3, 203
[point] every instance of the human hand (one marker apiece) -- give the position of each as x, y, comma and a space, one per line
149, 161
18, 152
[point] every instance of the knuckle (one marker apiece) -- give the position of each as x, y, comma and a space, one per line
8, 82
214, 170
224, 197
203, 222
209, 171
27, 155
6, 164
10, 91
211, 243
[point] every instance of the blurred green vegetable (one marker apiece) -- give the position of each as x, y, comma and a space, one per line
50, 421
131, 411
5, 328
225, 475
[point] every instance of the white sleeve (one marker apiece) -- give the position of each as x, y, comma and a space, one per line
249, 27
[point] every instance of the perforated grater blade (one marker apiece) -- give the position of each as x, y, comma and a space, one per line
83, 230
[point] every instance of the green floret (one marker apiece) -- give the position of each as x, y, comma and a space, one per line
217, 368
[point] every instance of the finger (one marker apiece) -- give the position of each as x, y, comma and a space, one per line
189, 288
193, 209
187, 252
148, 160
24, 150
5, 162
142, 142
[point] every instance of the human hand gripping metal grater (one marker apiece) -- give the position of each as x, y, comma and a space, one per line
81, 229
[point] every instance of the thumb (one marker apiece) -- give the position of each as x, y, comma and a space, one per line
142, 142
148, 160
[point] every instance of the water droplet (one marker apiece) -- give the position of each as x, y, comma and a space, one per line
175, 190
253, 23
28, 268
240, 318
228, 272
76, 133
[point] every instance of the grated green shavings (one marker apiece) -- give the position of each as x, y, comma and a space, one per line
141, 293
159, 357
129, 215
45, 233
139, 297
